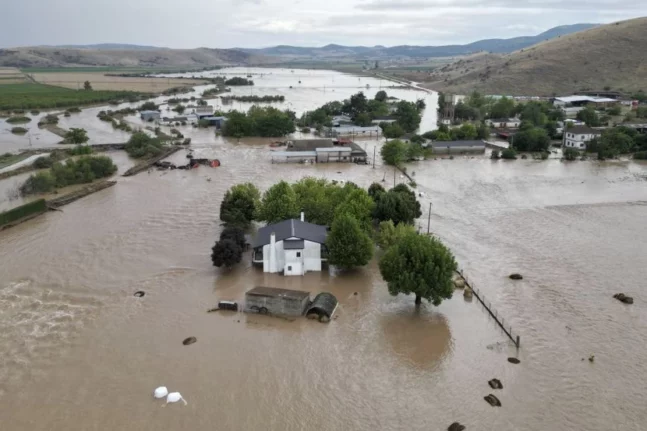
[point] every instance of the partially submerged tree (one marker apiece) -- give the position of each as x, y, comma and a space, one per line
279, 203
234, 234
348, 244
389, 234
87, 86
394, 152
399, 205
376, 190
359, 205
240, 204
226, 253
419, 265
76, 136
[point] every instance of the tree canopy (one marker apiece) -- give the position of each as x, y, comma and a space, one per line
348, 244
235, 234
226, 253
87, 86
394, 152
399, 205
259, 121
381, 96
533, 139
389, 233
141, 145
279, 203
359, 205
76, 136
419, 265
589, 116
239, 205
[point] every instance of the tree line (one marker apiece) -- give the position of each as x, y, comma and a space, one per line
359, 220
259, 121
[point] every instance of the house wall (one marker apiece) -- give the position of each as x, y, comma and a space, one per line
311, 256
310, 259
576, 140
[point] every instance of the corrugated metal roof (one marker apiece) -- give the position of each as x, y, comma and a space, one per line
334, 150
274, 292
294, 153
292, 228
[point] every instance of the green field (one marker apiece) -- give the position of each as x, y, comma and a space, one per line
30, 96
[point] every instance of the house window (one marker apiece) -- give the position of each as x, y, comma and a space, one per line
289, 268
298, 254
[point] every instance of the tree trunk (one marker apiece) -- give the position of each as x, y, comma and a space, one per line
418, 299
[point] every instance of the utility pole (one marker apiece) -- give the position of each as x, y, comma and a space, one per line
374, 148
429, 219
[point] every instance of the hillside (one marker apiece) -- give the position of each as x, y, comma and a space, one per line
605, 56
412, 51
65, 57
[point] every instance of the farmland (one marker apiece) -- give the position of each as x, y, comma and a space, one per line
31, 95
101, 81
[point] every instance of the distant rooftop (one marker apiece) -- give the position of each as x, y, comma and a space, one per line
449, 144
273, 292
583, 130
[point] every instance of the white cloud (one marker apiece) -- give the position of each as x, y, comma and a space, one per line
256, 23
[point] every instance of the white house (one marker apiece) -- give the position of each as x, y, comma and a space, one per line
292, 247
578, 136
504, 123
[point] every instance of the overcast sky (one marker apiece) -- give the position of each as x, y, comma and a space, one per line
260, 23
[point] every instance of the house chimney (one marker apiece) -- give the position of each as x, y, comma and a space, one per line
272, 262
303, 216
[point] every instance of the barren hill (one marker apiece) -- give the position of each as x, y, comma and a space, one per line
63, 57
606, 56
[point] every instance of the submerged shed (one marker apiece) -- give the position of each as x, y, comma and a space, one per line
323, 307
271, 300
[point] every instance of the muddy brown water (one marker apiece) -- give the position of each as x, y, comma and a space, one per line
79, 352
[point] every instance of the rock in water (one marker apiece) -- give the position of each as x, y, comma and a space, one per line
160, 392
624, 298
516, 276
189, 340
495, 384
456, 427
514, 360
494, 401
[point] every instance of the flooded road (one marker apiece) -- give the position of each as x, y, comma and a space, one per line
79, 352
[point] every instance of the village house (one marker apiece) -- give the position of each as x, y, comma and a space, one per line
578, 136
292, 247
150, 115
504, 123
458, 147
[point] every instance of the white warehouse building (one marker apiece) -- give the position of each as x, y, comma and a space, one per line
292, 247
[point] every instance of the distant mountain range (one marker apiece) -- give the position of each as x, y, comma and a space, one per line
111, 46
376, 52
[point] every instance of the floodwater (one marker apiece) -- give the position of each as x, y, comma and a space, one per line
79, 352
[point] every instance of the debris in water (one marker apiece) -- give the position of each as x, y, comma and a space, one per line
516, 276
494, 401
140, 293
495, 384
189, 341
591, 358
514, 360
174, 397
456, 427
160, 392
624, 298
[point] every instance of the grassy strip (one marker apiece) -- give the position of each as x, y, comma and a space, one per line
9, 159
28, 210
30, 96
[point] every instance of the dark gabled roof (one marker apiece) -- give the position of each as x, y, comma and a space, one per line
445, 144
583, 130
290, 229
293, 244
273, 292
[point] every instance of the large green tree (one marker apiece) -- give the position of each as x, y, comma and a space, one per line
381, 96
316, 198
359, 205
589, 116
502, 108
533, 112
534, 139
389, 233
226, 253
239, 206
348, 244
394, 152
398, 205
376, 190
76, 136
419, 265
408, 116
279, 203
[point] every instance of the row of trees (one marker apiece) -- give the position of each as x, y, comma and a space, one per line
83, 170
396, 152
259, 121
237, 80
140, 145
616, 141
466, 132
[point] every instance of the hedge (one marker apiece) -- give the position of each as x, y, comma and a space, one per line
36, 207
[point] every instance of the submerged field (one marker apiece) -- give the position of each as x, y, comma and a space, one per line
31, 95
74, 79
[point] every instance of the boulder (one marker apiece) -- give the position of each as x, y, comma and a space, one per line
456, 427
514, 361
494, 401
624, 298
516, 276
495, 384
189, 340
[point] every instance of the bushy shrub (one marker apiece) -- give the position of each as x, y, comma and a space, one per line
509, 154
